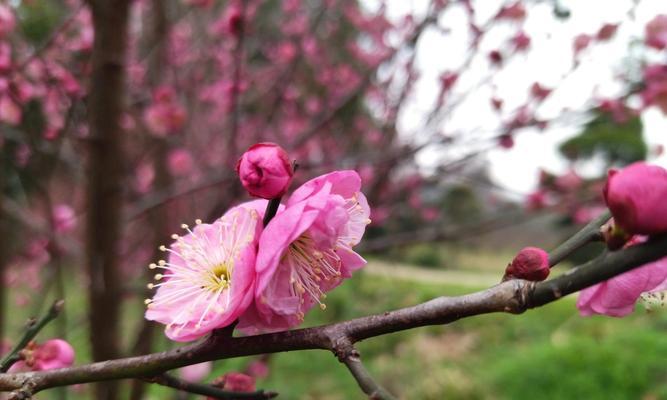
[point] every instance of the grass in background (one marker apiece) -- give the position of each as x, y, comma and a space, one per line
549, 353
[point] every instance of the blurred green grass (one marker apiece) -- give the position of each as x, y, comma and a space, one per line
548, 353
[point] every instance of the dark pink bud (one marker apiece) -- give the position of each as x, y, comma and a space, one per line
265, 170
506, 141
606, 31
636, 197
531, 263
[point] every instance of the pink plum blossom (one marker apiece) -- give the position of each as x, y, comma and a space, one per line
64, 219
531, 263
306, 250
208, 280
515, 11
235, 382
617, 296
53, 354
636, 197
265, 170
196, 372
7, 20
655, 82
165, 116
656, 32
606, 32
521, 41
581, 42
180, 162
10, 112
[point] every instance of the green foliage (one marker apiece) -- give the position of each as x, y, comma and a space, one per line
461, 205
39, 18
425, 255
617, 144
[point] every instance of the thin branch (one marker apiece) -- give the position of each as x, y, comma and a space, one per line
32, 329
208, 390
587, 234
352, 361
515, 296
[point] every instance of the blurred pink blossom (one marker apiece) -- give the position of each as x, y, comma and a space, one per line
656, 32
53, 354
196, 372
7, 20
64, 218
180, 162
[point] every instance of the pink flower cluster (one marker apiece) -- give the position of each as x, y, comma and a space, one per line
268, 277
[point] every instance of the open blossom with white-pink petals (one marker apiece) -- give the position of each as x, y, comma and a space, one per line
52, 354
208, 280
306, 251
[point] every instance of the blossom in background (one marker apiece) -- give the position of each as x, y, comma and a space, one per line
655, 86
265, 170
52, 354
636, 197
208, 280
306, 250
196, 372
656, 32
235, 382
64, 218
165, 115
7, 20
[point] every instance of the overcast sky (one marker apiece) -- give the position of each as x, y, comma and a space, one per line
549, 59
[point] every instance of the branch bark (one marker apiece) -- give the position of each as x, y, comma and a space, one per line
515, 296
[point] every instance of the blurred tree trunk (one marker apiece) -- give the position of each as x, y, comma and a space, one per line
4, 255
105, 181
159, 218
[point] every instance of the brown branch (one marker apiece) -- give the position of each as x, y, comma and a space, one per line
515, 296
208, 390
352, 360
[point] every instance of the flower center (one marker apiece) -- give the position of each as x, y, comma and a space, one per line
312, 270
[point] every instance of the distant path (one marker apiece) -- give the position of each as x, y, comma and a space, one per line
477, 279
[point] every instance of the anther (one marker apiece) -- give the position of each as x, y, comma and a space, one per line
158, 277
323, 306
174, 236
198, 221
150, 286
148, 301
152, 266
163, 248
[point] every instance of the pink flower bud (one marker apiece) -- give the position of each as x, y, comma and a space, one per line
531, 263
636, 197
265, 170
